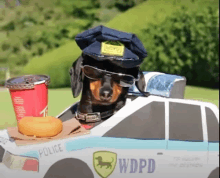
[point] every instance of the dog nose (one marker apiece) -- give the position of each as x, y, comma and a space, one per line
106, 95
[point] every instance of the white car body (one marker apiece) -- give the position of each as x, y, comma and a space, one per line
154, 137
135, 157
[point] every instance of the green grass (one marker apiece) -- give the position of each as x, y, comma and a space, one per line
60, 99
202, 94
3, 35
2, 3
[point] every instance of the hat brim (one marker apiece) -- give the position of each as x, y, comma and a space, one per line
128, 60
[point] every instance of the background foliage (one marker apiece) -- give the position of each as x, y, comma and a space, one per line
185, 43
31, 30
39, 26
180, 37
123, 5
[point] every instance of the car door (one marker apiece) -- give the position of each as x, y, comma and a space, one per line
140, 142
187, 148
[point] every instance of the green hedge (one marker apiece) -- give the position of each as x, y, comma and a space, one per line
186, 43
57, 62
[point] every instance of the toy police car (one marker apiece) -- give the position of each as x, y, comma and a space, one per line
155, 136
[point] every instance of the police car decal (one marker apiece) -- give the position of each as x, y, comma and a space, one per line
104, 162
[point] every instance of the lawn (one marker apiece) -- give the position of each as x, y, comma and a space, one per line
59, 99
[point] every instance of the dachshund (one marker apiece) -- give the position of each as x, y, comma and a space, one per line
101, 163
104, 85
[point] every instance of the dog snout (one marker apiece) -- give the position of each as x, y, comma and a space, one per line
105, 95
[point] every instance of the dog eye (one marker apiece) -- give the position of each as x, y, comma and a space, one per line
117, 81
92, 72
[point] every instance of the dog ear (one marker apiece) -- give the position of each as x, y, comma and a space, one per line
76, 77
141, 84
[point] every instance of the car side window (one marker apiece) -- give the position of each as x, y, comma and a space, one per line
146, 123
212, 126
185, 122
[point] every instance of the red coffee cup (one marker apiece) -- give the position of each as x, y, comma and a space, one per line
29, 95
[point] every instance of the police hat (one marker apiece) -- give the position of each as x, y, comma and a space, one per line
102, 43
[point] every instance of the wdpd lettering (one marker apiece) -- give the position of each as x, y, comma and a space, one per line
137, 166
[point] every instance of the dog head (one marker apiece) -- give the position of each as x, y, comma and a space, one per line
105, 79
99, 158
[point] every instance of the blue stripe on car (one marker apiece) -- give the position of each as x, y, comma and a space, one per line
34, 154
213, 146
117, 143
127, 143
187, 145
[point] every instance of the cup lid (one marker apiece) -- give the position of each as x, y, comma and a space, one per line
26, 81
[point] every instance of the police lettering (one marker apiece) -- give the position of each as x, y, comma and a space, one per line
137, 166
46, 151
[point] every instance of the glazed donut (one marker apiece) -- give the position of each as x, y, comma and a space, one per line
40, 126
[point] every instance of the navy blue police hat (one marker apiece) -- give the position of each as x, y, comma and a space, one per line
102, 43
